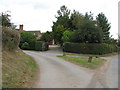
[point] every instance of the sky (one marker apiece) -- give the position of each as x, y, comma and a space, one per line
40, 14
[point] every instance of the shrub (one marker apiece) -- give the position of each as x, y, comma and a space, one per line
89, 48
41, 46
25, 46
10, 39
29, 38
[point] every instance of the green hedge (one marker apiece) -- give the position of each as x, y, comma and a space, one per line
41, 46
25, 46
89, 48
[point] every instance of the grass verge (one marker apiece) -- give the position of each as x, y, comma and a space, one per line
83, 61
105, 55
18, 69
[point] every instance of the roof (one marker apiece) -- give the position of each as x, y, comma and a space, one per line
37, 31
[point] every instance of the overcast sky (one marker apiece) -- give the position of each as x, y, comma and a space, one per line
39, 14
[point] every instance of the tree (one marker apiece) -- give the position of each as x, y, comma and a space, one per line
88, 33
58, 33
76, 20
47, 36
63, 16
102, 22
89, 16
61, 24
5, 20
67, 36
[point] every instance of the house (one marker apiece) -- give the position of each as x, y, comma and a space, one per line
37, 33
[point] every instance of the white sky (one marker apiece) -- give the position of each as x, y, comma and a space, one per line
39, 14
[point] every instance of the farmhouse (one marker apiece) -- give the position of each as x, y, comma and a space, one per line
37, 33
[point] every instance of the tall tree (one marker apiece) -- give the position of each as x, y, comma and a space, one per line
76, 20
88, 33
102, 22
89, 16
5, 20
61, 24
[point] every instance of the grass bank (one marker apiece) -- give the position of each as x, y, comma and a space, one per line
83, 61
18, 69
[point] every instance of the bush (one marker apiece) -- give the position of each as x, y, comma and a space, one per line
25, 46
10, 39
29, 38
89, 48
41, 46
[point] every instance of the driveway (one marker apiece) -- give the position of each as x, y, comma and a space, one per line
57, 73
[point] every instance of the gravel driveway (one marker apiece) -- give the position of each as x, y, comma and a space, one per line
57, 73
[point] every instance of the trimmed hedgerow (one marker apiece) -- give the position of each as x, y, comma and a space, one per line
89, 48
38, 46
41, 46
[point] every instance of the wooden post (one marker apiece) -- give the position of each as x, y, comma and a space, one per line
64, 54
90, 59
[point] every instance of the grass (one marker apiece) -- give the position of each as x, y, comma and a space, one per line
83, 61
18, 69
105, 55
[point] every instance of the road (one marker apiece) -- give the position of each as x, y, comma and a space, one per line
58, 73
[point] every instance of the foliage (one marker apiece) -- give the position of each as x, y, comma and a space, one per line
47, 36
5, 20
67, 36
89, 48
41, 46
29, 38
88, 33
102, 22
87, 30
61, 24
76, 20
111, 41
38, 45
25, 46
58, 33
10, 39
119, 40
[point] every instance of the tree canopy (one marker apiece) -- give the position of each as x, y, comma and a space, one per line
76, 27
47, 36
5, 20
102, 22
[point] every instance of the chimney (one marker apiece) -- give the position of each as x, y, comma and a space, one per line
21, 27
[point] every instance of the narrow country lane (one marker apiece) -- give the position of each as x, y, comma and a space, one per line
57, 73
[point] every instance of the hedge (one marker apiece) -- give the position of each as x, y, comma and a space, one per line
10, 38
25, 46
41, 46
89, 48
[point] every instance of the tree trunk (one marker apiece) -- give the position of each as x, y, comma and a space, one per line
90, 59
